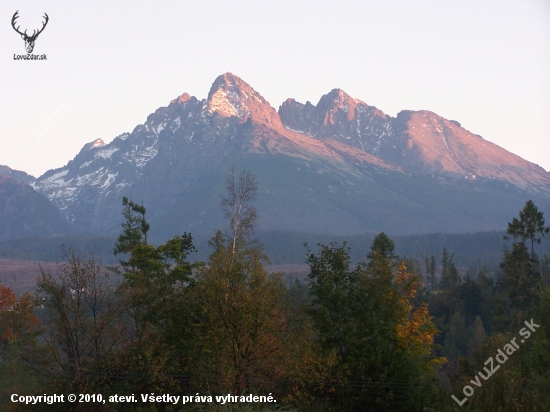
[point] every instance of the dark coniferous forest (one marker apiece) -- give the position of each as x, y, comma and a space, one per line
378, 324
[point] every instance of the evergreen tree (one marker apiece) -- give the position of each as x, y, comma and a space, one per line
157, 296
449, 272
500, 316
469, 293
134, 229
530, 226
519, 278
456, 339
545, 269
479, 335
383, 246
430, 271
487, 300
445, 259
368, 330
453, 271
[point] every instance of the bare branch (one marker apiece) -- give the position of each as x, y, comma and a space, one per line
242, 215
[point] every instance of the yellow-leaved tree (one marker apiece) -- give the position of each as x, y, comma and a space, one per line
364, 317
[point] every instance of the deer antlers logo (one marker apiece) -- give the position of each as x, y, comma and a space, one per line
29, 40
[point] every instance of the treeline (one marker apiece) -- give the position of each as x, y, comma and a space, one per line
473, 251
48, 249
386, 334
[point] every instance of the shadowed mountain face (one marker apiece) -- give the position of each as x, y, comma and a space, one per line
24, 212
16, 175
339, 167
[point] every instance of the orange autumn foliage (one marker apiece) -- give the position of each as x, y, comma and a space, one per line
17, 316
416, 332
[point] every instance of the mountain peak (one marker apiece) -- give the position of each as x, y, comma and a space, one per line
96, 143
336, 115
341, 97
230, 96
227, 82
338, 100
181, 99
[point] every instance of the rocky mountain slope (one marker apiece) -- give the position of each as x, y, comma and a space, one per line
24, 212
339, 167
17, 175
417, 141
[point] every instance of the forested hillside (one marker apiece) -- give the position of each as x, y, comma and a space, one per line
377, 331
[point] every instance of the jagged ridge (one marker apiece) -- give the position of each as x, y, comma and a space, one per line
342, 166
417, 141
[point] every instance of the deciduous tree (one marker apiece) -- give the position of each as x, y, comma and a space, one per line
245, 329
23, 363
83, 319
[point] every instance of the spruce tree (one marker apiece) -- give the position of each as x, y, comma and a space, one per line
530, 226
134, 229
430, 271
520, 269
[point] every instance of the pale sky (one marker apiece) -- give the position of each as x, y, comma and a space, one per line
109, 64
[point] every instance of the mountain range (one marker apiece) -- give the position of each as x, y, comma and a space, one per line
338, 167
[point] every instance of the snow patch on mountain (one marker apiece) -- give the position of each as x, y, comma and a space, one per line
220, 104
63, 196
140, 158
106, 153
90, 178
296, 131
110, 179
176, 123
55, 180
160, 127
